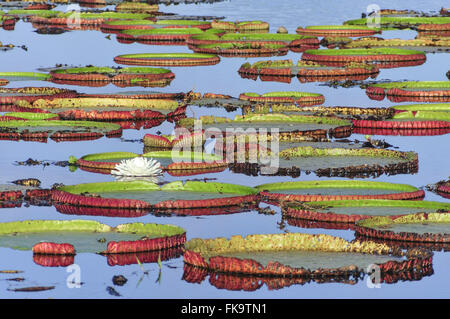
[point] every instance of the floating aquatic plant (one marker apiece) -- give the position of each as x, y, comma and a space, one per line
350, 211
383, 57
138, 166
220, 255
421, 227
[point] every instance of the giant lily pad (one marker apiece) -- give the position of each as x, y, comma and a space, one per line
163, 142
239, 49
84, 19
116, 26
383, 57
136, 7
342, 162
401, 22
337, 190
418, 91
100, 76
337, 30
39, 130
24, 76
423, 44
413, 119
290, 126
10, 95
147, 195
341, 111
240, 282
181, 164
244, 26
159, 36
168, 59
350, 211
296, 255
295, 42
441, 188
109, 108
306, 71
92, 236
300, 98
421, 227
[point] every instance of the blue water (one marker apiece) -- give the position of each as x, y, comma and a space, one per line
91, 47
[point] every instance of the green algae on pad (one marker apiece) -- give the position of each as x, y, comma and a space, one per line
301, 255
350, 211
421, 227
337, 190
85, 235
198, 194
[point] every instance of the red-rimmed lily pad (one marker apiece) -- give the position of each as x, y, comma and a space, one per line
182, 164
123, 77
85, 20
240, 282
300, 98
411, 91
30, 94
306, 191
89, 237
306, 71
338, 30
298, 255
136, 7
351, 211
40, 130
382, 57
167, 59
167, 142
421, 227
441, 188
159, 36
147, 195
117, 26
295, 42
342, 162
401, 22
244, 26
290, 127
239, 49
422, 44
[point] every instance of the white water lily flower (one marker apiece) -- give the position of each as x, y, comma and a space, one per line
138, 166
